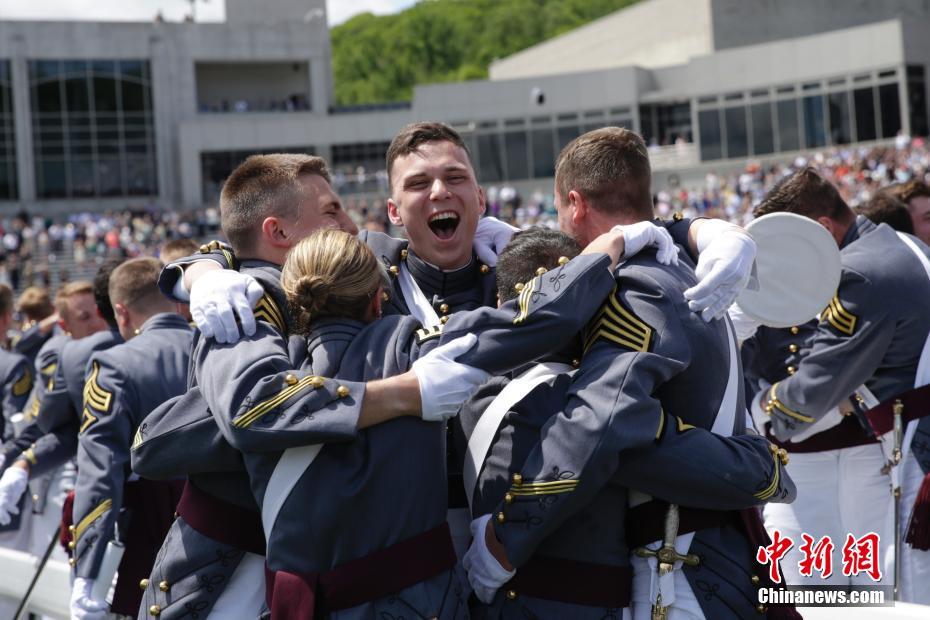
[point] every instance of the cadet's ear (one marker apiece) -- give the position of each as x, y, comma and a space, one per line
122, 315
273, 233
373, 311
579, 207
394, 213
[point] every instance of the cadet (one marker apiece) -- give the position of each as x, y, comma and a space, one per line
583, 568
645, 355
916, 196
16, 375
39, 322
123, 384
868, 345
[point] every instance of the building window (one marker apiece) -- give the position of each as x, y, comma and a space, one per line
890, 106
8, 184
917, 100
789, 127
93, 128
490, 163
864, 103
360, 167
814, 126
763, 138
840, 130
709, 131
515, 146
737, 136
216, 166
543, 153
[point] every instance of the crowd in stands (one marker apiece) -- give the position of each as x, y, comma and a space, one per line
47, 250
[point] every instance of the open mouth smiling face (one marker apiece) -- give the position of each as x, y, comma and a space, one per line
444, 224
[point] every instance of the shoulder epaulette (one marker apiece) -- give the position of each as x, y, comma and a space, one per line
616, 324
428, 333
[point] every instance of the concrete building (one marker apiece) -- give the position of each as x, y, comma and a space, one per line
96, 116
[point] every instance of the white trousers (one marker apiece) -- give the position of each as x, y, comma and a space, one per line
915, 564
19, 539
46, 524
840, 492
686, 605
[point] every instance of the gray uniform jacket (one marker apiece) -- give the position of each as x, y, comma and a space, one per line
123, 384
400, 463
871, 334
16, 374
647, 357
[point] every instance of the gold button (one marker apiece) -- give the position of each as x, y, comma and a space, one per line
576, 362
444, 320
795, 330
385, 296
517, 480
144, 584
214, 245
501, 517
677, 216
563, 260
35, 497
511, 594
762, 608
317, 382
176, 515
755, 580
508, 498
342, 391
290, 379
773, 448
403, 254
783, 456
444, 308
72, 545
541, 271
394, 270
72, 529
163, 586
791, 370
72, 561
204, 249
518, 287
155, 610
793, 348
485, 269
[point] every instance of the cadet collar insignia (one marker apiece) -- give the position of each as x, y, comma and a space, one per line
267, 310
614, 323
839, 317
428, 333
24, 384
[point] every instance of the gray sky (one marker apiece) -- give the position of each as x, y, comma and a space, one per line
174, 10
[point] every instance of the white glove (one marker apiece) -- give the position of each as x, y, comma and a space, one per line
744, 325
726, 256
444, 383
83, 607
218, 297
12, 486
485, 573
491, 237
637, 236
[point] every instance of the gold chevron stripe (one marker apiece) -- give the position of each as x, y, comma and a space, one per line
661, 425
88, 419
428, 333
682, 425
49, 369
839, 317
267, 311
92, 516
94, 395
524, 303
247, 418
544, 488
23, 384
615, 323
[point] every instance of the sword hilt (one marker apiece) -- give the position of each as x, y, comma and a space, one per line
898, 412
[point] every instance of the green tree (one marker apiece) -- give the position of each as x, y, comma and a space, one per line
378, 59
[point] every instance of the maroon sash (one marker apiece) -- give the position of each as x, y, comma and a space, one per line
916, 405
223, 522
847, 434
571, 581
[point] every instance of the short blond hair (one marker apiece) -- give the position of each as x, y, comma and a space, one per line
330, 273
610, 168
6, 299
264, 186
36, 303
177, 248
134, 284
69, 290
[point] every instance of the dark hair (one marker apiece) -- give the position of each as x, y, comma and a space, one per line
806, 193
906, 192
884, 208
610, 168
526, 253
102, 290
414, 135
6, 299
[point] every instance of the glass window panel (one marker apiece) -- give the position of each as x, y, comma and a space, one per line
77, 95
53, 149
141, 177
890, 107
709, 125
7, 181
489, 158
543, 153
564, 135
45, 69
788, 125
82, 178
104, 94
133, 96
917, 103
864, 101
814, 126
51, 179
840, 128
763, 138
737, 135
110, 177
103, 68
131, 69
517, 165
47, 96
